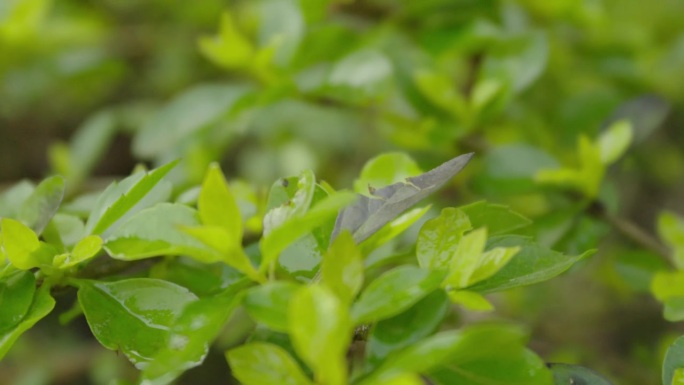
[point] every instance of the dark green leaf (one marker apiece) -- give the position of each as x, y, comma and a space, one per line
565, 374
492, 354
133, 315
42, 204
368, 215
268, 303
16, 295
532, 264
407, 328
394, 292
41, 306
259, 363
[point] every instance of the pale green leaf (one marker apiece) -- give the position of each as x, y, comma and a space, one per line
614, 141
470, 300
439, 237
465, 261
120, 198
22, 247
342, 268
321, 332
384, 170
674, 360
261, 363
42, 204
217, 206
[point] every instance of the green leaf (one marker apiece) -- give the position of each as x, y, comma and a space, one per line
368, 215
41, 306
464, 262
498, 219
12, 199
407, 328
491, 262
320, 329
172, 127
297, 204
668, 288
394, 292
585, 179
281, 237
230, 48
342, 268
671, 230
217, 206
417, 358
565, 374
268, 303
155, 231
260, 363
470, 300
198, 324
492, 354
22, 246
87, 146
42, 204
678, 377
120, 198
674, 360
225, 247
614, 141
393, 229
532, 264
384, 170
133, 315
16, 295
84, 250
439, 237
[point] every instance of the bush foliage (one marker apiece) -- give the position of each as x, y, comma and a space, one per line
397, 175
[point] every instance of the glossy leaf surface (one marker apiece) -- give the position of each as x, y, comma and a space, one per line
16, 295
439, 238
133, 315
41, 306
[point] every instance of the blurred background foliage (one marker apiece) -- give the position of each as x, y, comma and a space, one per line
271, 87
